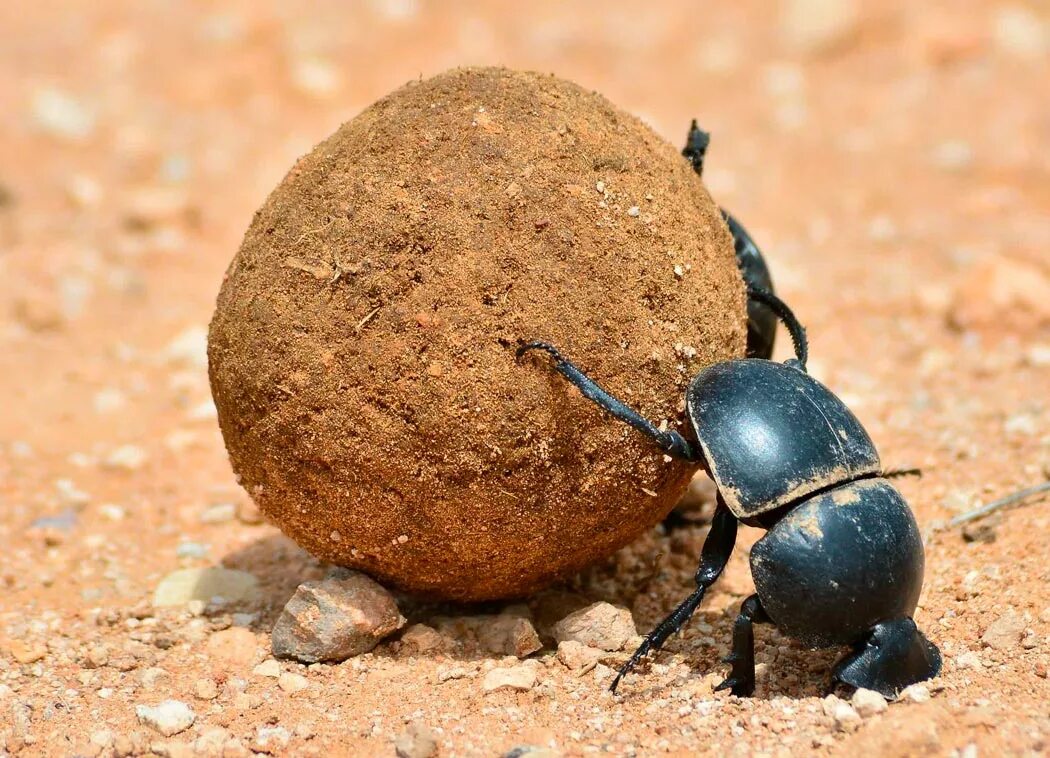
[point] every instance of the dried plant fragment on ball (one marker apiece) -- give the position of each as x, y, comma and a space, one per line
362, 351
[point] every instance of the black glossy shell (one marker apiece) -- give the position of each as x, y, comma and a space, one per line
761, 321
771, 434
839, 563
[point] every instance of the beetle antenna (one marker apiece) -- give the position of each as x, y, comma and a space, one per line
787, 317
896, 473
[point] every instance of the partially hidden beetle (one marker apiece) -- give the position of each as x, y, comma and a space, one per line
841, 563
761, 320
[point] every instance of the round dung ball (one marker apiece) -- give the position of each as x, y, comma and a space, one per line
362, 349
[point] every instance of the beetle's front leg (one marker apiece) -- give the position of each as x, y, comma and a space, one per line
671, 442
713, 559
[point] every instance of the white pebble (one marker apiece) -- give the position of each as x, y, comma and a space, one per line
189, 347
61, 115
868, 702
817, 25
219, 513
916, 693
70, 493
290, 682
269, 667
168, 718
634, 211
315, 77
1020, 32
126, 458
953, 155
108, 400
112, 512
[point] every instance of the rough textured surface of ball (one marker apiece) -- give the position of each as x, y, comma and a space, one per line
362, 351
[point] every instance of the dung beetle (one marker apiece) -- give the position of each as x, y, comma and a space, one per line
761, 320
841, 563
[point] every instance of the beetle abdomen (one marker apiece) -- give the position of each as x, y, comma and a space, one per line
839, 563
772, 434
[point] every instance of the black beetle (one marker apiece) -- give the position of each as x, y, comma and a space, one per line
761, 320
842, 560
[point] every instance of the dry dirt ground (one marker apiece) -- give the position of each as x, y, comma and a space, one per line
895, 165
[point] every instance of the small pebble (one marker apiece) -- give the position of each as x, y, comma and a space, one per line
26, 652
1005, 632
519, 678
341, 616
220, 513
578, 658
868, 702
315, 77
601, 625
62, 115
269, 667
189, 347
126, 458
842, 714
168, 718
508, 635
210, 585
814, 26
422, 638
417, 741
205, 689
292, 683
953, 155
916, 693
271, 740
1019, 31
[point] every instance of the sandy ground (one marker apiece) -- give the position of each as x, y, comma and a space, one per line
895, 165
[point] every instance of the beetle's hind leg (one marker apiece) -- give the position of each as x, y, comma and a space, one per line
892, 656
741, 679
670, 441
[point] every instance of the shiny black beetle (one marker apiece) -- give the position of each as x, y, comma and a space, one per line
761, 320
842, 560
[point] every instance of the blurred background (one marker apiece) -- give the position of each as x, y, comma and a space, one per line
892, 159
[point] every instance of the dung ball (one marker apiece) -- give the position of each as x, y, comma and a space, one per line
362, 349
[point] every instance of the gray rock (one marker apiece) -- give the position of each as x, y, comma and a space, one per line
343, 615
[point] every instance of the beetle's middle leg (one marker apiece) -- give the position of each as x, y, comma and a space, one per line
670, 441
714, 556
741, 679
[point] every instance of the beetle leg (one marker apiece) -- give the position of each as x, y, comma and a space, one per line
713, 559
696, 143
893, 655
741, 679
671, 442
